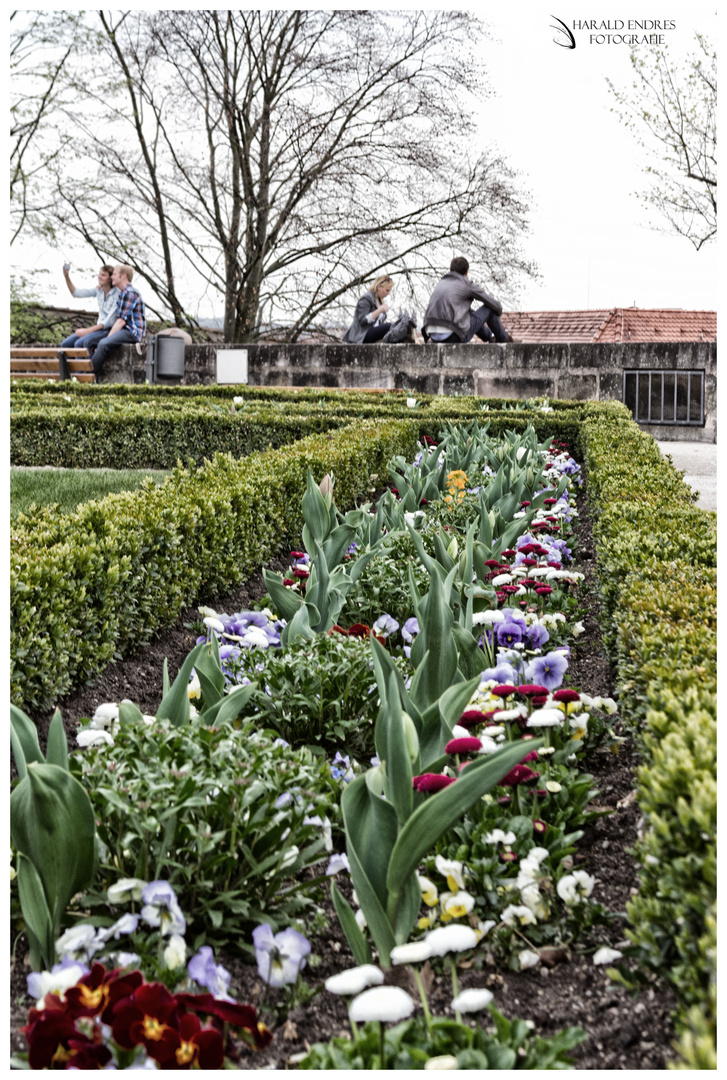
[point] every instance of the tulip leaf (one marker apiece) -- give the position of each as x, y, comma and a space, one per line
354, 936
36, 915
432, 819
209, 673
376, 918
285, 601
315, 514
57, 751
299, 626
230, 706
23, 740
471, 661
174, 705
129, 713
52, 824
398, 763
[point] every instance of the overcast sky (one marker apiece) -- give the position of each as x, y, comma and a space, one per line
551, 116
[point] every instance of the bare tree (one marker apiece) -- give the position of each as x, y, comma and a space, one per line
286, 157
36, 65
673, 110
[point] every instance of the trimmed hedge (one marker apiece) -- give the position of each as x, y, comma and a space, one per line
156, 430
97, 583
656, 557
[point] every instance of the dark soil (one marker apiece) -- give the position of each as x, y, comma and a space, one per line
623, 1032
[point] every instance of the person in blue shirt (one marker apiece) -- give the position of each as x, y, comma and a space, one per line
107, 295
129, 327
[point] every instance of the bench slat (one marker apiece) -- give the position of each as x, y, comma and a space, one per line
45, 354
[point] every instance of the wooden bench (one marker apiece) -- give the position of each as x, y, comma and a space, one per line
55, 364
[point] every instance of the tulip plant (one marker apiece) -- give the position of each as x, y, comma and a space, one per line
53, 831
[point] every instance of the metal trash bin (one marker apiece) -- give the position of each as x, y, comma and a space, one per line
164, 358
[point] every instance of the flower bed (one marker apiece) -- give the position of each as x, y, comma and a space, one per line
467, 829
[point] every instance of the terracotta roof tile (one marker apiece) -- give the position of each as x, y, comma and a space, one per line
611, 325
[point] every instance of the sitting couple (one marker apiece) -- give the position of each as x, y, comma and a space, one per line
448, 319
122, 315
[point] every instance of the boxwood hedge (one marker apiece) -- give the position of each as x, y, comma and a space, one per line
656, 556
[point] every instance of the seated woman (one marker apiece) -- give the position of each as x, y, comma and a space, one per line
107, 296
369, 319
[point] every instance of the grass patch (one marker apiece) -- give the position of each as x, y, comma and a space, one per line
71, 487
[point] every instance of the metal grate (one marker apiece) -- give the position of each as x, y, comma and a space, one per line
665, 397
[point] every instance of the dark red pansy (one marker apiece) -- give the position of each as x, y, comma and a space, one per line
148, 1017
48, 1032
431, 782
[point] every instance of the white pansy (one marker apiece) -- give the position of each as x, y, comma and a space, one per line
551, 619
125, 889
414, 952
361, 919
81, 938
452, 938
88, 737
528, 958
385, 1003
605, 955
483, 928
497, 836
214, 624
325, 826
574, 888
54, 982
354, 980
457, 904
473, 1000
430, 894
605, 704
194, 690
175, 952
106, 716
207, 611
578, 629
518, 915
452, 870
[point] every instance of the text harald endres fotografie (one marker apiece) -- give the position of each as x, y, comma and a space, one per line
621, 24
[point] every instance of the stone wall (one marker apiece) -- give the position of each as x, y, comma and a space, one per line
580, 372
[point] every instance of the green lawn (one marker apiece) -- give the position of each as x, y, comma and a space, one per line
70, 487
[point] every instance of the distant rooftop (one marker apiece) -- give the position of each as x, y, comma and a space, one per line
609, 325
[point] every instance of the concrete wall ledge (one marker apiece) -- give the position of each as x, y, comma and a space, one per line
579, 372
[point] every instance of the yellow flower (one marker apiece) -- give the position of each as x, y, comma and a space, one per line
425, 922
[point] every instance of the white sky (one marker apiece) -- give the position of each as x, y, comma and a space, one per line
551, 117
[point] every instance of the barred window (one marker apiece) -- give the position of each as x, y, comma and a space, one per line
657, 396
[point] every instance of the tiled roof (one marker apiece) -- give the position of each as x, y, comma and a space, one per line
609, 325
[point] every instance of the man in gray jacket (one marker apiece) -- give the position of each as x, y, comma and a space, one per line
448, 319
